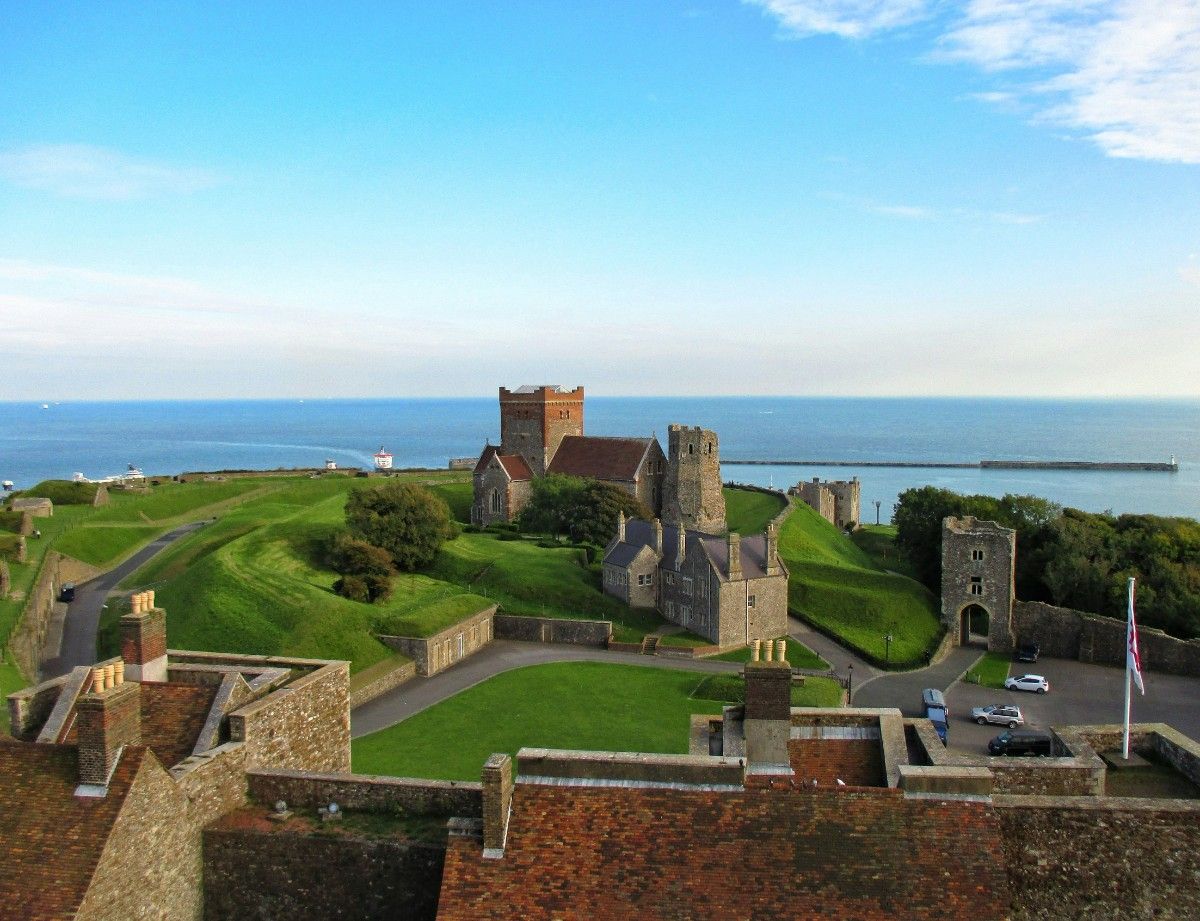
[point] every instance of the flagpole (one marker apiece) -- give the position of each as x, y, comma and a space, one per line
1128, 676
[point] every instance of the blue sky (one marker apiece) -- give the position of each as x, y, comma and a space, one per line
777, 196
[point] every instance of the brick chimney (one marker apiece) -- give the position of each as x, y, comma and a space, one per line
771, 563
497, 803
735, 555
768, 721
144, 640
108, 718
657, 537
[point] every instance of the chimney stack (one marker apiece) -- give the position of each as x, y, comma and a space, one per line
768, 720
771, 562
144, 640
620, 527
497, 803
108, 718
657, 537
681, 549
735, 555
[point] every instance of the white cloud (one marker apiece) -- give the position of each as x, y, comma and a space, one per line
927, 213
1123, 73
846, 18
83, 171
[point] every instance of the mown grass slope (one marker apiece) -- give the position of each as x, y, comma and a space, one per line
748, 511
580, 705
839, 588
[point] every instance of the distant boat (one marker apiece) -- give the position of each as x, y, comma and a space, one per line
383, 460
45, 406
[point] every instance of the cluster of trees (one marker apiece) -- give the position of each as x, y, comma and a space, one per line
394, 527
1071, 558
582, 509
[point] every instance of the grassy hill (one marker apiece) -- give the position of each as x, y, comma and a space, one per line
748, 511
840, 588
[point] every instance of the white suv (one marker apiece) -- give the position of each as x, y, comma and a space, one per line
1001, 716
1028, 683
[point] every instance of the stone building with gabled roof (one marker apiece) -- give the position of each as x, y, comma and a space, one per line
541, 434
731, 590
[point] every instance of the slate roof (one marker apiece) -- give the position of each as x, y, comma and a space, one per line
763, 853
640, 534
600, 458
51, 840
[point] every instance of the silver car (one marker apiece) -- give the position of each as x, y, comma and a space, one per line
1000, 715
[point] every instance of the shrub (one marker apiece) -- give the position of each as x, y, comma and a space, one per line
406, 520
379, 588
352, 557
354, 588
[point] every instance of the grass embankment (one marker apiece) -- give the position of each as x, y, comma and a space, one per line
990, 671
748, 511
878, 541
815, 692
837, 586
254, 581
581, 705
798, 655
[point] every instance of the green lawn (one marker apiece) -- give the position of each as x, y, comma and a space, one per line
432, 618
748, 511
815, 692
990, 671
686, 638
879, 543
578, 705
838, 587
798, 655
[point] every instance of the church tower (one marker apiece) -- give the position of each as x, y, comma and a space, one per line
692, 496
534, 420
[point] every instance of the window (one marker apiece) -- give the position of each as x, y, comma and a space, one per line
710, 447
977, 555
976, 585
691, 449
750, 602
687, 586
496, 501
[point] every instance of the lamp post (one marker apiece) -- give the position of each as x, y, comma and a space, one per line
850, 685
878, 502
887, 649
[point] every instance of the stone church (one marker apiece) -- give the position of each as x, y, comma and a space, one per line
541, 433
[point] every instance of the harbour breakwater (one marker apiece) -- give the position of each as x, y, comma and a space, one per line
1171, 466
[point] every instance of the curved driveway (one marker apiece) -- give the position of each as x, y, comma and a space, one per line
76, 643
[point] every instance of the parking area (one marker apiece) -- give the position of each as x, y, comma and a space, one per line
1080, 694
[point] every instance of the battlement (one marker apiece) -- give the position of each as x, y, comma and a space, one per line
530, 393
969, 524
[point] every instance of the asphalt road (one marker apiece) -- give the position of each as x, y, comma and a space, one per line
82, 621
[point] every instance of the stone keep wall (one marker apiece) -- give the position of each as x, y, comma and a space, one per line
1101, 859
436, 653
988, 581
818, 498
252, 875
692, 495
1067, 634
372, 794
553, 630
151, 864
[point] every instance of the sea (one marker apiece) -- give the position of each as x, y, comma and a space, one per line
98, 439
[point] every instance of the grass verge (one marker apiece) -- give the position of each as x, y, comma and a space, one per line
815, 692
580, 705
989, 671
798, 655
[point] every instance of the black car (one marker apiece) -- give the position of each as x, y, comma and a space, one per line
1035, 742
67, 593
1028, 652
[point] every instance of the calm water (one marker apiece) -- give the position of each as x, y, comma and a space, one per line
100, 439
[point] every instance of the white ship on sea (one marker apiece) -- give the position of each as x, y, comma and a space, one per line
383, 460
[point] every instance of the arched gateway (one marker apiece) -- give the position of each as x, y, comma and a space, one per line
977, 581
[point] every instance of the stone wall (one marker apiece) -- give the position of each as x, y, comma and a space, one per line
256, 874
978, 569
1067, 634
433, 654
364, 792
553, 630
1072, 858
568, 765
368, 690
692, 493
28, 639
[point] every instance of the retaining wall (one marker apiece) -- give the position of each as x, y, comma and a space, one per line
553, 630
28, 639
435, 653
377, 687
367, 792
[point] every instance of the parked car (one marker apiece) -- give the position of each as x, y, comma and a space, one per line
941, 726
999, 714
1032, 742
1028, 652
932, 697
67, 593
1028, 683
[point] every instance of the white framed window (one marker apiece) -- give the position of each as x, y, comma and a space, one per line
750, 602
687, 586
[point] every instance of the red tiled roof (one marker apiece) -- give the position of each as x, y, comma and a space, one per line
767, 854
486, 456
599, 458
51, 840
516, 466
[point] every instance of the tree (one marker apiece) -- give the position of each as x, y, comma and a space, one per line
583, 509
406, 520
353, 557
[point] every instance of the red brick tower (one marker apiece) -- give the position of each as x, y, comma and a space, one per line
534, 420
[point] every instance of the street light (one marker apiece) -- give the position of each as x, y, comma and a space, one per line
850, 685
878, 502
887, 649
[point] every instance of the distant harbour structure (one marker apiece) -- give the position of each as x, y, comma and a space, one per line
132, 474
383, 460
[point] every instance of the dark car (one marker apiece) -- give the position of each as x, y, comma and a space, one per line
1032, 742
67, 593
1028, 652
